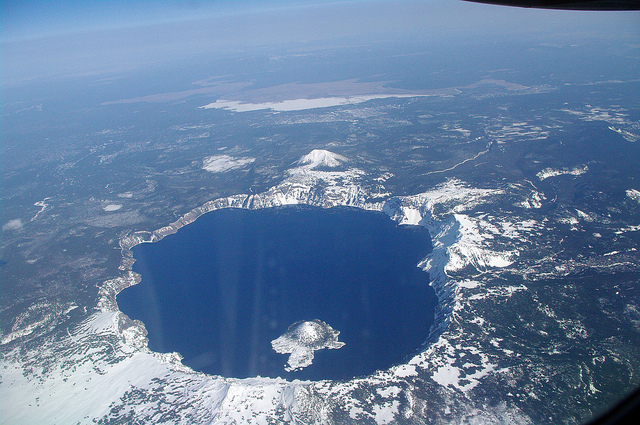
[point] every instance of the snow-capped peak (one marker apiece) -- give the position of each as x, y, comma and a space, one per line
321, 157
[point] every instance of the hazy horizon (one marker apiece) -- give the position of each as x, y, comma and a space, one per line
42, 40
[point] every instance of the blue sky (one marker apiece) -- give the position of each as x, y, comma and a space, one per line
29, 19
24, 19
48, 38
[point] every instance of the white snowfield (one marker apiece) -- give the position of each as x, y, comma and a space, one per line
222, 163
103, 368
551, 172
299, 104
15, 224
112, 207
633, 194
322, 158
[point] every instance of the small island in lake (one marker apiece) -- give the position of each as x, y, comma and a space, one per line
302, 339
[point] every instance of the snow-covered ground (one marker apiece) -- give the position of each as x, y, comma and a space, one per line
222, 163
322, 158
634, 194
551, 172
104, 368
112, 207
299, 104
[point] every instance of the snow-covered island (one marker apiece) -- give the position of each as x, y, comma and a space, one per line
302, 339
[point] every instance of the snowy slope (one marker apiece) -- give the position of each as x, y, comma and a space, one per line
322, 158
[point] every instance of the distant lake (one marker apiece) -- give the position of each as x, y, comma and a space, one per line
222, 288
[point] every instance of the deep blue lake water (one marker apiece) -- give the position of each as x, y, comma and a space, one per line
222, 288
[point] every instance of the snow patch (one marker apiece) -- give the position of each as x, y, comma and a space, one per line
222, 163
634, 194
385, 413
391, 391
469, 284
112, 207
411, 216
446, 375
533, 201
472, 250
551, 172
627, 135
299, 104
15, 224
43, 206
405, 371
